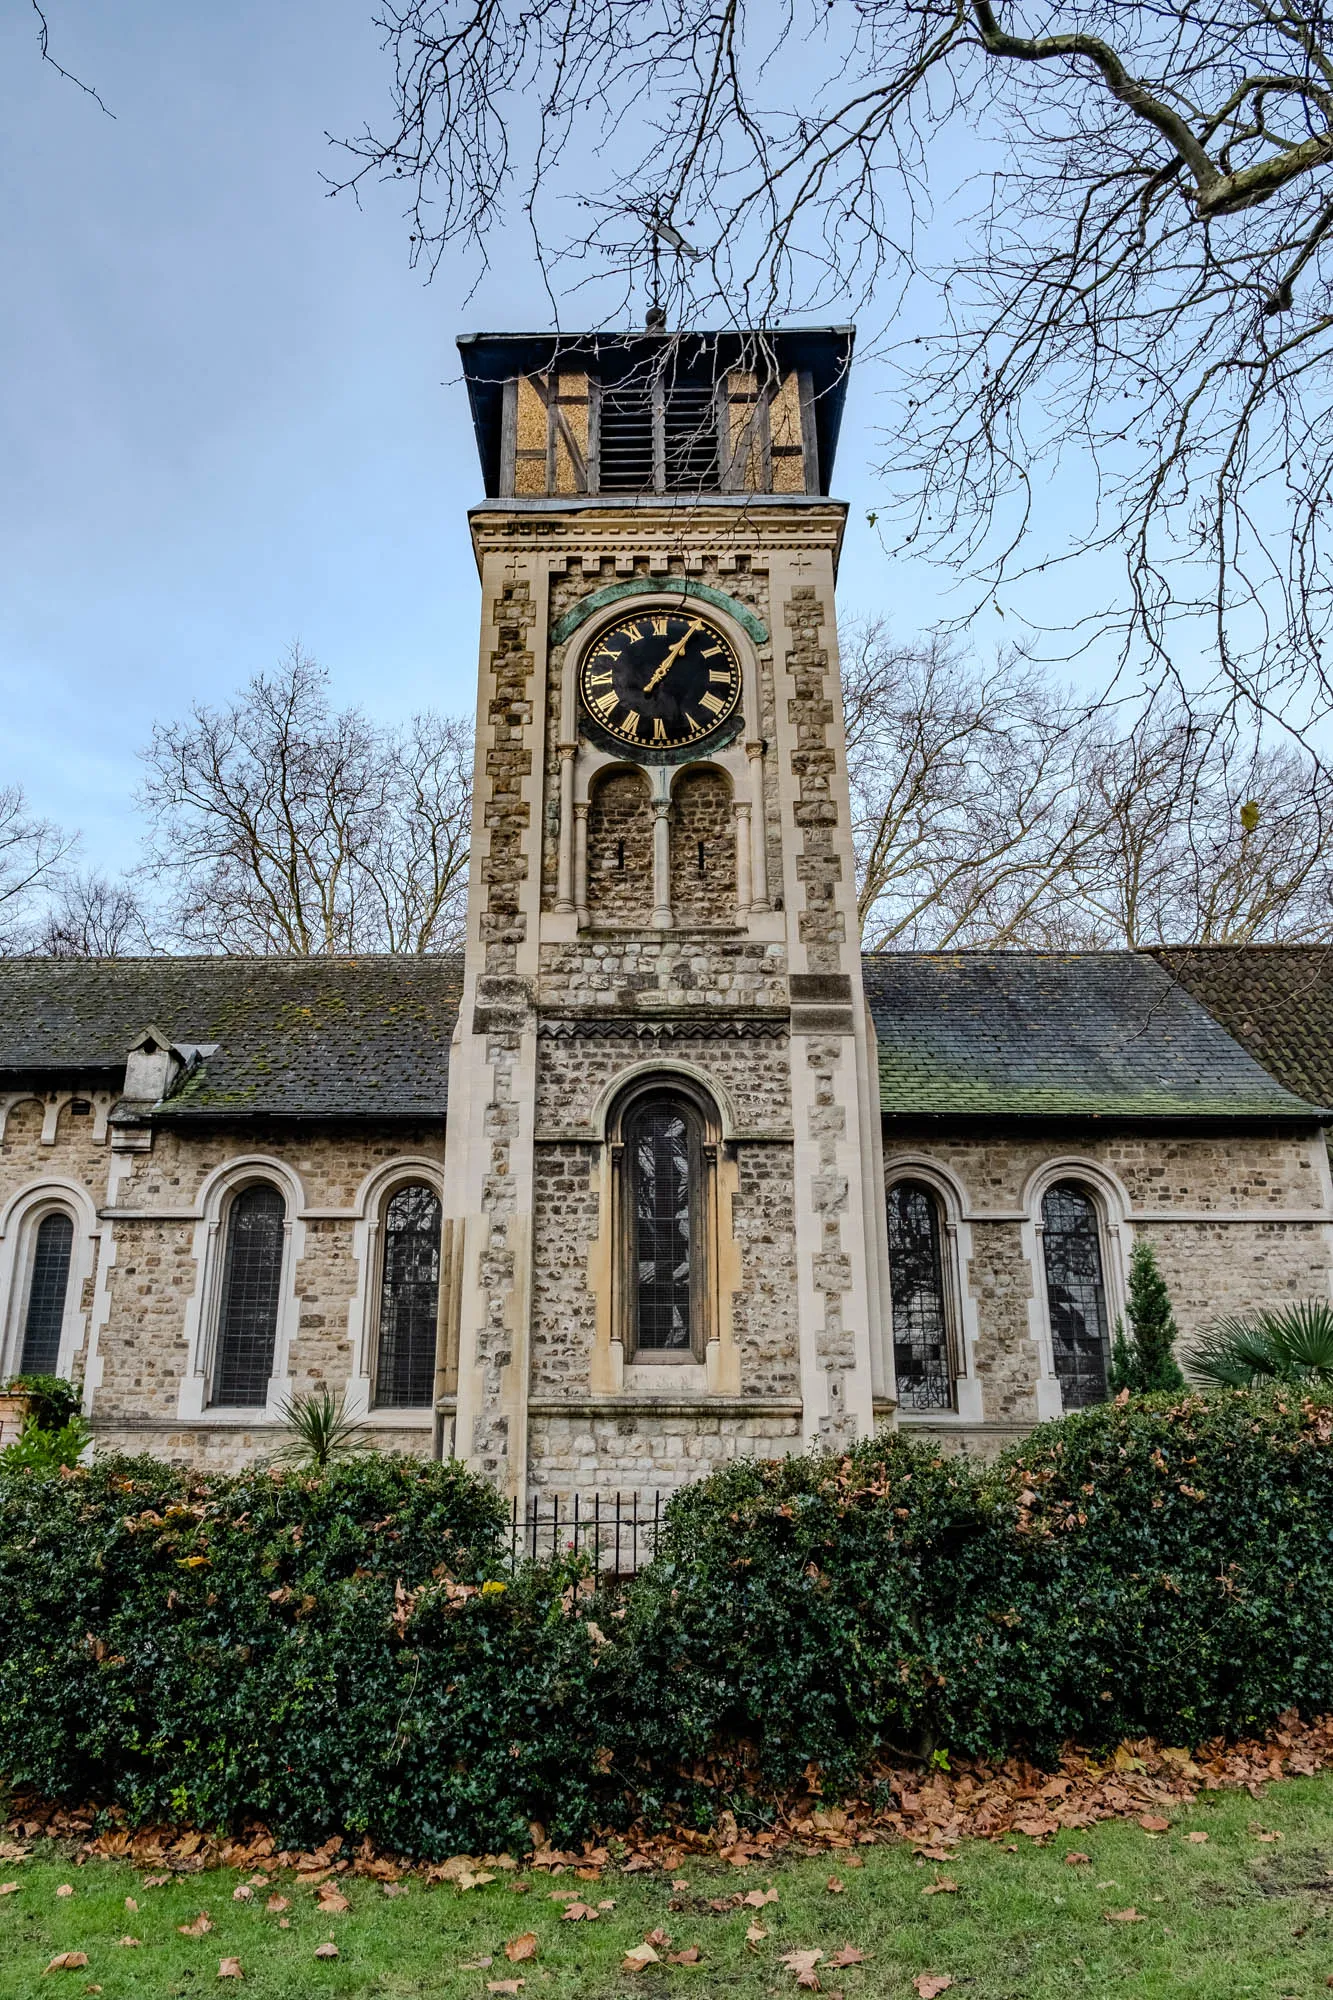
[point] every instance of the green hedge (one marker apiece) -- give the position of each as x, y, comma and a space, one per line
323, 1654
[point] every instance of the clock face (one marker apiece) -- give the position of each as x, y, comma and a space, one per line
660, 680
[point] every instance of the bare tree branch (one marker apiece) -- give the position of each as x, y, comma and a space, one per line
282, 826
44, 45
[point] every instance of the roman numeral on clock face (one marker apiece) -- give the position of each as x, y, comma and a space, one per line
630, 725
600, 680
604, 703
659, 628
711, 703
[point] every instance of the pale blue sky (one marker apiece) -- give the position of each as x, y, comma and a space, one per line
230, 411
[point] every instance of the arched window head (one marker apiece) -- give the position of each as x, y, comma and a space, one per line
921, 1345
48, 1283
409, 1298
1075, 1293
251, 1288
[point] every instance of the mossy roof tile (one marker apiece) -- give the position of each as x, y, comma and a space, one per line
296, 1037
1056, 1035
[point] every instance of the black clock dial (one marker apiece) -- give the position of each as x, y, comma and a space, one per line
660, 680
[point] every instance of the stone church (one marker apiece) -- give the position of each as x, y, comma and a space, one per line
661, 1169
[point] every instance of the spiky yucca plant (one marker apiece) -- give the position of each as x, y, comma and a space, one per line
1291, 1343
322, 1433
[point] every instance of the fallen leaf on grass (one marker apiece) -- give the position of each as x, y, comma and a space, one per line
758, 1897
284, 1923
1154, 1823
1267, 1838
505, 1985
230, 1968
65, 1889
1075, 1860
690, 1956
846, 1954
928, 1984
680, 1885
92, 1989
326, 1951
131, 1905
332, 1902
637, 1957
934, 1852
522, 1947
1129, 1916
129, 1941
607, 1903
155, 1881
1196, 1839
475, 1964
943, 1885
393, 1888
755, 1935
658, 1937
276, 1903
203, 1922
68, 1961
578, 1913
834, 1886
244, 1894
802, 1964
8, 1888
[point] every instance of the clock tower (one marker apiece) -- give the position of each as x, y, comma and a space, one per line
665, 1233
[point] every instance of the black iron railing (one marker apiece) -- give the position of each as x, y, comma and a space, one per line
618, 1532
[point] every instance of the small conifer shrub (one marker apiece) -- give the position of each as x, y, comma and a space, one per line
1143, 1359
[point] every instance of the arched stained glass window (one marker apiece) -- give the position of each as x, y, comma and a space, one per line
662, 1158
251, 1285
409, 1298
1075, 1293
44, 1312
920, 1312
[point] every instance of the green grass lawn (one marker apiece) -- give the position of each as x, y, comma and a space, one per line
1231, 1915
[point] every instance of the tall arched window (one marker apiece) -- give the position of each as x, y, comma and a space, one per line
662, 1184
251, 1287
921, 1350
409, 1298
1075, 1293
48, 1282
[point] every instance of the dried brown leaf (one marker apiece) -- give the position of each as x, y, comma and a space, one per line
328, 1950
1154, 1823
637, 1957
523, 1947
846, 1954
203, 1922
68, 1961
834, 1886
230, 1968
1129, 1916
928, 1984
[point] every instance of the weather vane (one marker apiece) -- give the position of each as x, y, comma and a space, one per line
662, 231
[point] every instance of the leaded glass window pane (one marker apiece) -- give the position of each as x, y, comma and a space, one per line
251, 1281
409, 1299
1075, 1294
658, 1142
920, 1323
45, 1310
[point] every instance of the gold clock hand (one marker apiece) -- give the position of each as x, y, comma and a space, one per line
673, 655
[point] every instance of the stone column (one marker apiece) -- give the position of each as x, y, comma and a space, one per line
758, 830
580, 861
661, 864
564, 891
744, 890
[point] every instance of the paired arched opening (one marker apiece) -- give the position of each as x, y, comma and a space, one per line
665, 860
408, 1298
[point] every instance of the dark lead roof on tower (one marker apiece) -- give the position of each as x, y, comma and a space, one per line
490, 360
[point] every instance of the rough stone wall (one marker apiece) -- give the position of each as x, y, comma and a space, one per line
703, 850
764, 1306
143, 1347
642, 1452
565, 1225
1210, 1265
655, 971
75, 1156
620, 850
751, 1070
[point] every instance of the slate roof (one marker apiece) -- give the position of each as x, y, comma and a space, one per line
1056, 1035
296, 1037
1276, 999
